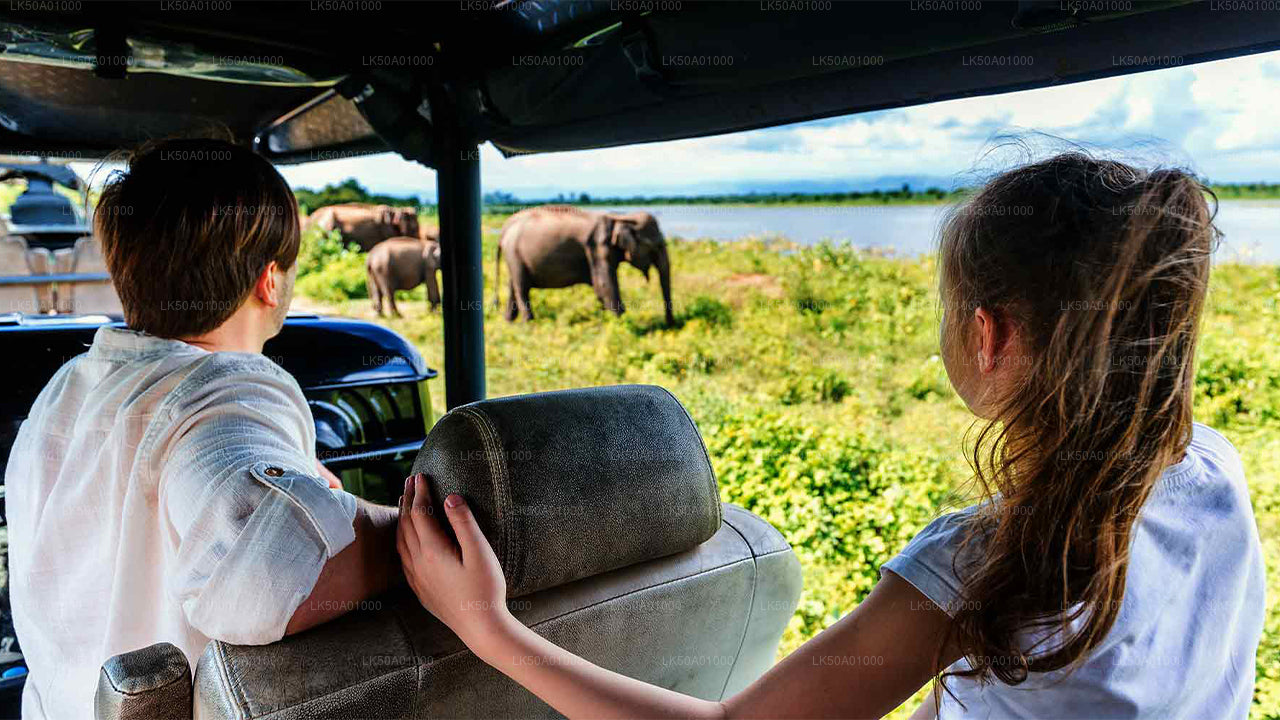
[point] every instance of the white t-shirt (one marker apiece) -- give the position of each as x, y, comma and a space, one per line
1185, 640
160, 492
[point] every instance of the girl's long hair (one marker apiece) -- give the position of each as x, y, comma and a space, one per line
1101, 270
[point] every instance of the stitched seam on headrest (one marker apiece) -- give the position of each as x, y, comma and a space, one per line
751, 609
126, 693
698, 574
501, 489
240, 702
711, 471
286, 710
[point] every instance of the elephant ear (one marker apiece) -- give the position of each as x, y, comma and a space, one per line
623, 236
602, 233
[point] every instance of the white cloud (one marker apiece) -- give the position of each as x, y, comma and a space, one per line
1222, 115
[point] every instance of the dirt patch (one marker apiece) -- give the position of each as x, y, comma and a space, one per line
766, 285
304, 304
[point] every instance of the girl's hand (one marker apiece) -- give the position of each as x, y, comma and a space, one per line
460, 583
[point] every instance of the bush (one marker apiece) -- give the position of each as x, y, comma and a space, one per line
713, 312
318, 249
330, 269
846, 502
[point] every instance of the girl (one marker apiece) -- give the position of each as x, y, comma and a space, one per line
1113, 569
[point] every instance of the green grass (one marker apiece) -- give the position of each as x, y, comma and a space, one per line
814, 376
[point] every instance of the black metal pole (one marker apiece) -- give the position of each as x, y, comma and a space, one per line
458, 190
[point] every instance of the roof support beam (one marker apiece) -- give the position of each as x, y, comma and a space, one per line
458, 189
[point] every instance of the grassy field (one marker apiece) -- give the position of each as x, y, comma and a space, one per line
814, 376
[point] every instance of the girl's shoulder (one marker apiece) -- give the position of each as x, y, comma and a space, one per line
1213, 443
930, 559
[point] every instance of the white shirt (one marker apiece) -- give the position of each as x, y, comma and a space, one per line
1185, 641
158, 491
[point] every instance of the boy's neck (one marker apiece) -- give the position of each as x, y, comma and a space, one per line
242, 332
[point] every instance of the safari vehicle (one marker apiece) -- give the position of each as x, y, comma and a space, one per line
325, 80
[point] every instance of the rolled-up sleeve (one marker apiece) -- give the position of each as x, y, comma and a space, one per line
928, 562
254, 523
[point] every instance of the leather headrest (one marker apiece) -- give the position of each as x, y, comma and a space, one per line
152, 682
574, 483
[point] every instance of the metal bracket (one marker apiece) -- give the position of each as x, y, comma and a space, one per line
638, 48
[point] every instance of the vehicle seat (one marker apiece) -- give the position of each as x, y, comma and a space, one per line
602, 507
40, 262
64, 263
87, 297
15, 260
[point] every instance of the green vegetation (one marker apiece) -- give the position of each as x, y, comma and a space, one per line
1247, 191
347, 191
814, 376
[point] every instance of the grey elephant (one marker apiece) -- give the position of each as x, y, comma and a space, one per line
557, 246
402, 263
366, 225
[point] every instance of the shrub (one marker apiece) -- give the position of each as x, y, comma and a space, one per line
831, 387
330, 269
846, 502
711, 311
317, 249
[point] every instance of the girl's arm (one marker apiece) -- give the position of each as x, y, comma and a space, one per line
863, 666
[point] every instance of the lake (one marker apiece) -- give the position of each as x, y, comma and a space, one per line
1251, 228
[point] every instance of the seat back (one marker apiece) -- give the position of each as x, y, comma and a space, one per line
705, 622
64, 263
90, 297
603, 510
14, 263
40, 262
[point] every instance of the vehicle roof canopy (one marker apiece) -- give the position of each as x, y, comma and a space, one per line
320, 79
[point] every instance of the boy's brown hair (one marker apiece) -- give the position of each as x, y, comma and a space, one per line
187, 228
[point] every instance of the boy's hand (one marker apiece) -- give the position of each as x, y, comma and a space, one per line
460, 583
335, 483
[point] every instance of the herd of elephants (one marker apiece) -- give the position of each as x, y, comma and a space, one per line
552, 246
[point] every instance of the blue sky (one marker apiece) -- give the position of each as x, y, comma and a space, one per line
1221, 118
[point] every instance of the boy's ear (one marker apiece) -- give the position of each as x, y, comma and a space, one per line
265, 287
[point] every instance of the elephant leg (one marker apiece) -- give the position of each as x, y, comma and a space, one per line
391, 302
433, 291
520, 291
613, 301
509, 313
375, 293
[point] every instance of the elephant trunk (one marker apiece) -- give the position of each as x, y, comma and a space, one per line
663, 261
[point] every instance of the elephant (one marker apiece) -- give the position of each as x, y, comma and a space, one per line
557, 246
429, 232
402, 263
366, 225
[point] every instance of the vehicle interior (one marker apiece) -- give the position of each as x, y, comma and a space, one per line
646, 552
